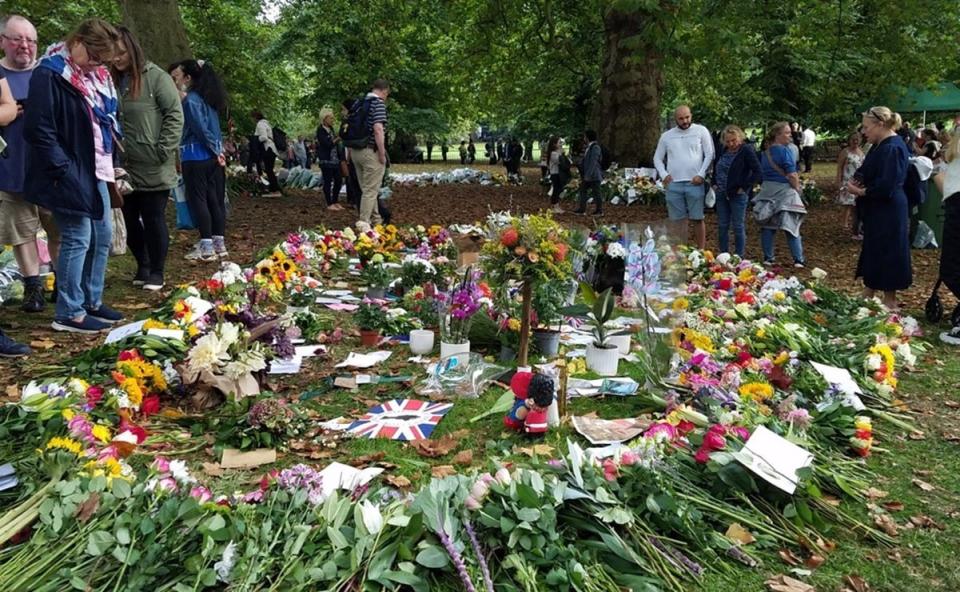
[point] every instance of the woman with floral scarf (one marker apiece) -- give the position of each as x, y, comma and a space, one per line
72, 132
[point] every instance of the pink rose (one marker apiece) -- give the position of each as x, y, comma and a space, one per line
809, 296
609, 470
740, 432
201, 493
629, 458
161, 465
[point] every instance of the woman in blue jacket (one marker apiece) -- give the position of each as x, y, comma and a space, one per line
201, 155
71, 129
735, 172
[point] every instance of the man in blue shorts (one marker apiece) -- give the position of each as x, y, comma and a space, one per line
683, 156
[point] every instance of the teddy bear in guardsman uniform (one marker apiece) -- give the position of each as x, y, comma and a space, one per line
533, 395
520, 385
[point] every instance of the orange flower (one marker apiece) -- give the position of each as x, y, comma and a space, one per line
560, 253
520, 251
509, 237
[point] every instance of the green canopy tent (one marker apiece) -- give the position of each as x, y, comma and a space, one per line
937, 98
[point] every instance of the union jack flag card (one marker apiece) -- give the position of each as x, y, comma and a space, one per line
400, 419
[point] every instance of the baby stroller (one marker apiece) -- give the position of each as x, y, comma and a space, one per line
933, 310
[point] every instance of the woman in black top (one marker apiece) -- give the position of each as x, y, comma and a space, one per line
329, 147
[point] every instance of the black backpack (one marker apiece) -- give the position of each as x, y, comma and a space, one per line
356, 132
280, 140
564, 165
606, 158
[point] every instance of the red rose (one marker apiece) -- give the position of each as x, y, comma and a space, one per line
150, 405
725, 284
740, 432
702, 456
94, 394
128, 354
685, 427
509, 237
714, 441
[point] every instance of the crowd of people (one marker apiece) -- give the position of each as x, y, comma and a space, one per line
91, 126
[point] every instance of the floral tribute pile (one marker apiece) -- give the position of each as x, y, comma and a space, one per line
107, 500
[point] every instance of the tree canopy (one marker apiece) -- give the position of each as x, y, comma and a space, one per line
538, 67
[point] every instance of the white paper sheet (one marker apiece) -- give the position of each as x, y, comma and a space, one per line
198, 306
844, 381
167, 333
356, 360
774, 459
124, 331
341, 476
306, 351
289, 366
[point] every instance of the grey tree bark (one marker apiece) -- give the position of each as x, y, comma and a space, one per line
159, 27
630, 90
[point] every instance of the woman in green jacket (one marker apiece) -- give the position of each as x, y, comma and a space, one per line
152, 120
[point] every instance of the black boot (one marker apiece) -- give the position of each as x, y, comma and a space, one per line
33, 300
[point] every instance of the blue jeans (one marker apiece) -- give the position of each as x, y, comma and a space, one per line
732, 212
82, 265
766, 242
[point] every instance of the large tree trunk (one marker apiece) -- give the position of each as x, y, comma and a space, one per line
630, 89
158, 26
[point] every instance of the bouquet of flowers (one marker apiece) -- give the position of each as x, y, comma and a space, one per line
226, 358
303, 291
528, 248
458, 306
809, 192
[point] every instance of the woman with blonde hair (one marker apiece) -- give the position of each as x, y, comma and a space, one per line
949, 185
329, 154
778, 205
884, 261
848, 161
71, 130
735, 171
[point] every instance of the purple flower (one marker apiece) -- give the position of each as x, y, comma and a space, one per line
302, 477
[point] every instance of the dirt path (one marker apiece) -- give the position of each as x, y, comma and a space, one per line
256, 223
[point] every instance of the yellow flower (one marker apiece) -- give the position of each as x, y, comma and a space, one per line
101, 432
782, 359
863, 423
758, 391
67, 444
513, 324
681, 304
67, 414
779, 296
745, 276
761, 333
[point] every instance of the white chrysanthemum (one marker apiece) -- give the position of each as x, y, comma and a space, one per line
207, 353
616, 251
246, 363
723, 258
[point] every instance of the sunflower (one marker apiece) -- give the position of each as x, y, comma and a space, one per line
67, 444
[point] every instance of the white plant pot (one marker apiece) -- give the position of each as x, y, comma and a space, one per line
452, 349
421, 341
622, 342
604, 362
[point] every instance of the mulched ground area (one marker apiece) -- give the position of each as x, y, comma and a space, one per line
257, 222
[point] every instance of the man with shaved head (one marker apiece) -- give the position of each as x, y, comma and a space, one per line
683, 155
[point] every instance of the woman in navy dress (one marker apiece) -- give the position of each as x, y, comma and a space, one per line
884, 261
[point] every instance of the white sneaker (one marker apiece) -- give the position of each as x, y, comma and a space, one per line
951, 337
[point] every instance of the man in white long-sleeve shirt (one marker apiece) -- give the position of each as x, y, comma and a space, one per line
688, 150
